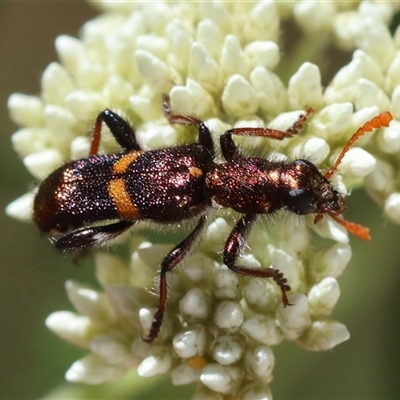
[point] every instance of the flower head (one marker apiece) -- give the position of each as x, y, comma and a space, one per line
220, 62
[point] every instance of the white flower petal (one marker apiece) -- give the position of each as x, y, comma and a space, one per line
227, 350
226, 284
56, 84
91, 75
291, 268
321, 13
21, 208
328, 228
157, 16
324, 335
204, 70
42, 163
142, 105
158, 362
262, 53
293, 320
72, 327
262, 295
270, 91
379, 11
113, 351
305, 87
29, 140
191, 342
156, 45
117, 90
217, 13
396, 100
156, 132
260, 361
262, 329
374, 38
323, 296
217, 228
392, 207
369, 94
389, 138
346, 28
83, 103
381, 182
370, 69
154, 71
26, 110
210, 36
332, 121
126, 301
146, 317
93, 370
91, 303
393, 73
233, 61
80, 147
61, 125
239, 98
262, 22
357, 163
183, 374
314, 149
198, 268
228, 315
70, 50
343, 86
252, 392
195, 305
185, 100
180, 42
331, 261
221, 379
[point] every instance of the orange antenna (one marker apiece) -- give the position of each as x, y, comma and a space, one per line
356, 229
382, 120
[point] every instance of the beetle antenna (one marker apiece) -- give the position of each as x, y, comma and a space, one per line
382, 120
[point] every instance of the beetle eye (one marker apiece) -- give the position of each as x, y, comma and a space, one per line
301, 201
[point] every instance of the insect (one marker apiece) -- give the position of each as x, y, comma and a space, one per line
87, 202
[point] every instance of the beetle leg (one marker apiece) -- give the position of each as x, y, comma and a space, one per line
205, 138
169, 262
230, 150
93, 236
124, 134
234, 246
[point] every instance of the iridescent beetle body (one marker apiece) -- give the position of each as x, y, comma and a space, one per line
87, 202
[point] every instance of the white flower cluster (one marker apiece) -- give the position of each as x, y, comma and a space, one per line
216, 61
219, 328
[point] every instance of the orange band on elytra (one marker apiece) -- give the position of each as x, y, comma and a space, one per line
119, 194
122, 165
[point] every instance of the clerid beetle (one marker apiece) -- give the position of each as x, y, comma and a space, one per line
87, 202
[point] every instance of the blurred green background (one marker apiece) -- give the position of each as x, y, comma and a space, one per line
32, 275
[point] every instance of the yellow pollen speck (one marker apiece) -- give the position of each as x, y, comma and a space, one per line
196, 172
196, 362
